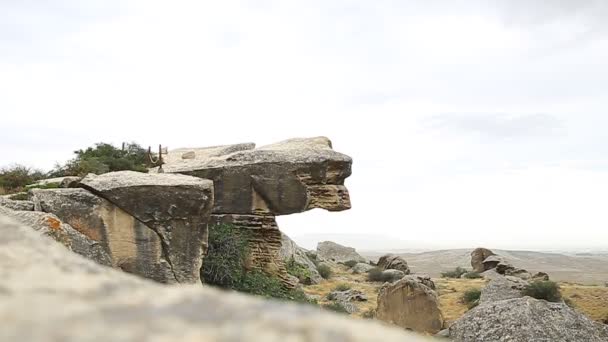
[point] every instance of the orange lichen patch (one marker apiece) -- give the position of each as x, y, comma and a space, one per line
52, 223
83, 228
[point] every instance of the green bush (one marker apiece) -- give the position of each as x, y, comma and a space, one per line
103, 158
224, 266
471, 297
20, 196
456, 273
13, 179
325, 271
299, 271
342, 287
472, 275
351, 263
336, 307
547, 290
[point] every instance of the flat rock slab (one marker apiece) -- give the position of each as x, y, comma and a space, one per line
50, 294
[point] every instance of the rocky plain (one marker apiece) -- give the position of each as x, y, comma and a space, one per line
120, 256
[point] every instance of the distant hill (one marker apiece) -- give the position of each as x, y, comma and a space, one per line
583, 268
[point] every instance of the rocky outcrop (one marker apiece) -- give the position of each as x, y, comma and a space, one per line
393, 262
361, 268
50, 294
410, 304
526, 319
153, 225
253, 185
6, 202
346, 299
477, 258
501, 288
291, 252
335, 252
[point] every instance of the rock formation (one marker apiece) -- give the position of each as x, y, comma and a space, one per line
410, 304
526, 319
291, 252
253, 185
361, 267
153, 225
50, 294
335, 252
393, 262
477, 258
501, 288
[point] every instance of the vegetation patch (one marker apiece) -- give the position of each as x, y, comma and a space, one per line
14, 178
455, 273
299, 271
335, 307
350, 263
471, 297
324, 270
472, 275
547, 290
378, 274
342, 287
224, 267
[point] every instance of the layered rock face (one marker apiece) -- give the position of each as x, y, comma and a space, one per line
393, 262
153, 225
410, 304
253, 185
50, 294
477, 258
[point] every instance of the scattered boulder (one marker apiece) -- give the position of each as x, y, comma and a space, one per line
504, 267
519, 273
410, 304
361, 267
50, 294
291, 252
347, 296
392, 275
393, 262
540, 276
501, 288
526, 319
424, 279
335, 252
492, 261
477, 258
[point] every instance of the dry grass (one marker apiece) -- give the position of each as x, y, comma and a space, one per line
356, 281
450, 293
590, 300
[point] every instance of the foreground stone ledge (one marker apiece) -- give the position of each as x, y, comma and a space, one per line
50, 294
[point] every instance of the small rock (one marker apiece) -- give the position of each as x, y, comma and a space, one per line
361, 268
347, 296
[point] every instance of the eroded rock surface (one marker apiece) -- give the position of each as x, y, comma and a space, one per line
50, 294
410, 304
291, 252
335, 252
477, 258
393, 262
526, 319
501, 288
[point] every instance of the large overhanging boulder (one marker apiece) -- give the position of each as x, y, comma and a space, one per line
153, 225
253, 185
50, 294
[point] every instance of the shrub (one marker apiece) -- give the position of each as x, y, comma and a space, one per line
14, 178
456, 273
325, 271
299, 271
547, 290
351, 263
471, 297
336, 307
472, 275
224, 267
342, 287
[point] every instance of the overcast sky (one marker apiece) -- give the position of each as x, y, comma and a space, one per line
470, 122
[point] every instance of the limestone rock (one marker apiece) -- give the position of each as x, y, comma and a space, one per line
411, 305
492, 261
501, 288
519, 273
50, 225
175, 207
361, 268
424, 279
393, 262
540, 276
16, 205
347, 296
477, 258
392, 275
526, 319
50, 294
70, 182
291, 252
335, 252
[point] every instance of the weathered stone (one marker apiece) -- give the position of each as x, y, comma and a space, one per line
392, 275
477, 258
291, 252
50, 225
501, 288
424, 279
519, 273
492, 261
16, 205
393, 262
541, 276
526, 319
504, 268
347, 296
50, 294
70, 182
411, 305
361, 268
175, 207
335, 252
